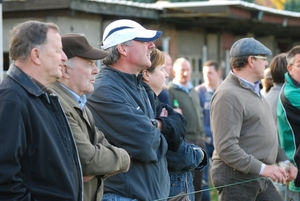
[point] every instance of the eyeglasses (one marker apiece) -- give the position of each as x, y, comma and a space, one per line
298, 65
260, 57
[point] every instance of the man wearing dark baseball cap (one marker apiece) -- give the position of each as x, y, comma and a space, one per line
98, 157
122, 111
245, 135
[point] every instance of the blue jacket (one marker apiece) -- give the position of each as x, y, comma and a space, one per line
122, 111
173, 126
38, 156
185, 159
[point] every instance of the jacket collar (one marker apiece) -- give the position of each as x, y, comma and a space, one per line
31, 85
246, 84
290, 80
130, 79
60, 90
65, 94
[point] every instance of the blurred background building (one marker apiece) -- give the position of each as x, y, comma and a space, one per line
197, 30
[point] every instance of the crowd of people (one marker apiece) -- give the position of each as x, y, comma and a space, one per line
139, 130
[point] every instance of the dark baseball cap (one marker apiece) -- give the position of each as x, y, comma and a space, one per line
77, 45
247, 47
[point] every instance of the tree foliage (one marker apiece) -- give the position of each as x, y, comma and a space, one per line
292, 5
279, 4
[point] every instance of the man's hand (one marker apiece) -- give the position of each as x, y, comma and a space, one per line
178, 110
292, 173
275, 173
164, 113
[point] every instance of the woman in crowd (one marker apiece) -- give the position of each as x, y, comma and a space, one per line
189, 156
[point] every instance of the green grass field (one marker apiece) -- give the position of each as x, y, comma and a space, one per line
213, 194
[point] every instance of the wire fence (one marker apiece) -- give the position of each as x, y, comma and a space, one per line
214, 188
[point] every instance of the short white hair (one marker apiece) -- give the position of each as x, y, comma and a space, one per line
70, 63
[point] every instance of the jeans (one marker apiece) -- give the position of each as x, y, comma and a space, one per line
198, 175
115, 197
233, 185
182, 181
291, 195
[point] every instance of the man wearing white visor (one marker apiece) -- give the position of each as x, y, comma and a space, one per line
122, 111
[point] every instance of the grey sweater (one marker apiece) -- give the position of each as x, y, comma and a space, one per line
244, 131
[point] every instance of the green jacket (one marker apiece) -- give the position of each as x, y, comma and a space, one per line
288, 122
189, 103
97, 156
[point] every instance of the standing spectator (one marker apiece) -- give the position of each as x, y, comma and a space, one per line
183, 91
38, 156
99, 159
189, 156
121, 109
266, 82
212, 80
164, 95
245, 137
278, 67
288, 113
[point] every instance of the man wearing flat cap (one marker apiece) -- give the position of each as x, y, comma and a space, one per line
122, 111
99, 159
245, 136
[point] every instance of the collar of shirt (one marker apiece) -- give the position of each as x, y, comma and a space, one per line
81, 100
182, 87
253, 86
209, 89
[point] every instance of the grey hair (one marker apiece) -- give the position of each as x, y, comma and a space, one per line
290, 57
114, 54
70, 63
26, 36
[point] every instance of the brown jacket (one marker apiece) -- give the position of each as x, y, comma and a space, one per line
97, 156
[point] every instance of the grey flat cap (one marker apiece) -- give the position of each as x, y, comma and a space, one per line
247, 47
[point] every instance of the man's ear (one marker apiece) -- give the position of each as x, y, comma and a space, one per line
250, 61
290, 69
122, 49
65, 71
35, 55
173, 72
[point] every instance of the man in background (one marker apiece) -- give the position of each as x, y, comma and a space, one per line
212, 80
